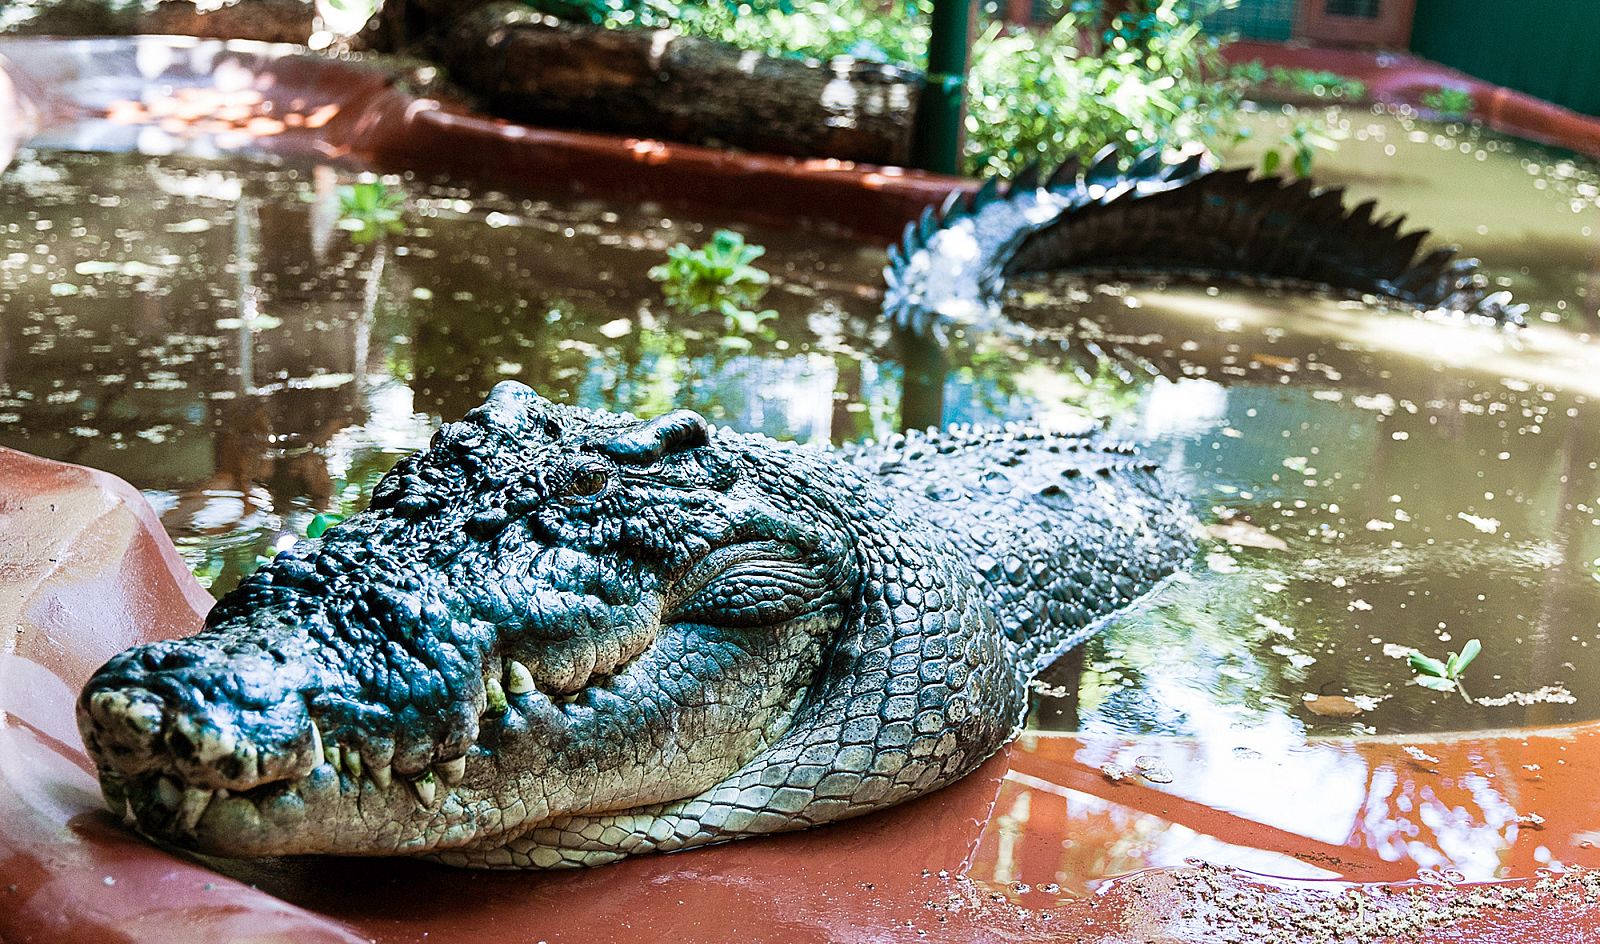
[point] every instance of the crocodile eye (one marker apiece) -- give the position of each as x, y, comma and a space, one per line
587, 482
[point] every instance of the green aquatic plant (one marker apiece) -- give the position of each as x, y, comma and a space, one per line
719, 271
321, 523
1297, 150
1444, 675
1449, 102
719, 277
370, 209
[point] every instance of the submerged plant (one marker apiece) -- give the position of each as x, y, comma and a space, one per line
1449, 102
1444, 676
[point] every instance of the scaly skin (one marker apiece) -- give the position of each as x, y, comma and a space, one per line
559, 637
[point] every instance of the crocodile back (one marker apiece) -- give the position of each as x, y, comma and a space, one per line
1061, 530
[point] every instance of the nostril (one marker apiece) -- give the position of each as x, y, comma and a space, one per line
168, 658
181, 744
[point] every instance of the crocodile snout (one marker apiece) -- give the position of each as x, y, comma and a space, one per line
168, 727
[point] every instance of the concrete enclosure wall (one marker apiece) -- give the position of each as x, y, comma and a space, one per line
1544, 47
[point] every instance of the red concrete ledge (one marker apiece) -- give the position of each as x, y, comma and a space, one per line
860, 200
1402, 79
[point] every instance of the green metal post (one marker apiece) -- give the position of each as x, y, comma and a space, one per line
936, 135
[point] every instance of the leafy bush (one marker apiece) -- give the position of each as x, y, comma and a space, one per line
1147, 74
1036, 96
895, 34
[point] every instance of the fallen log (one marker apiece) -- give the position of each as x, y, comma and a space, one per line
529, 67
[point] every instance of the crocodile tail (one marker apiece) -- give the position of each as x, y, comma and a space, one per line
1169, 217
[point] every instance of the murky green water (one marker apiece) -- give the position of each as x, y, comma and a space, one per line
210, 332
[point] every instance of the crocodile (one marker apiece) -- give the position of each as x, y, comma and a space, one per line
559, 637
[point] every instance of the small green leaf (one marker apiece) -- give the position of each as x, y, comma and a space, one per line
321, 523
1427, 666
1437, 684
1302, 163
1468, 653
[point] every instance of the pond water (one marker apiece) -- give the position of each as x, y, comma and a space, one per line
212, 333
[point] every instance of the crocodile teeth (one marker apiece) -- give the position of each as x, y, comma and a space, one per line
168, 794
568, 698
382, 776
427, 789
316, 741
451, 771
335, 756
496, 697
114, 793
352, 763
195, 801
519, 681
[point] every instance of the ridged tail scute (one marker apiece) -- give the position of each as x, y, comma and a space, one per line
1163, 217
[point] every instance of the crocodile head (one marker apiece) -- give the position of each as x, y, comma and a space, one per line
549, 612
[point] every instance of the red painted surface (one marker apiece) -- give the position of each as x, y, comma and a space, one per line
1398, 78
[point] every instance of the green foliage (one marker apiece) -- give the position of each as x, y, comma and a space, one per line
1038, 96
720, 270
894, 33
1108, 393
1257, 76
719, 277
1444, 676
1137, 76
321, 523
1448, 102
1298, 148
371, 209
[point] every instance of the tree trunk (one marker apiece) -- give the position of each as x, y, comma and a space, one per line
655, 83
